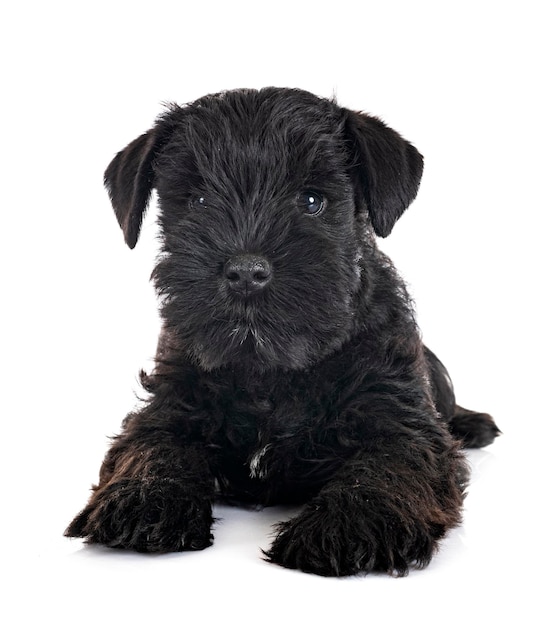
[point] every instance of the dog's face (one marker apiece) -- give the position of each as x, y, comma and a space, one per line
268, 200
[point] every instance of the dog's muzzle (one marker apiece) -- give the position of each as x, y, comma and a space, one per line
247, 274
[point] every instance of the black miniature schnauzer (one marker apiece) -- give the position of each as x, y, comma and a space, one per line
290, 368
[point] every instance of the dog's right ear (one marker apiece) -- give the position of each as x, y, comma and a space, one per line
129, 179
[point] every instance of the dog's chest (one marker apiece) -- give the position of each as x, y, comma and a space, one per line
259, 424
273, 429
246, 416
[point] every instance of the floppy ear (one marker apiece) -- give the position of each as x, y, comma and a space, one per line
129, 179
388, 169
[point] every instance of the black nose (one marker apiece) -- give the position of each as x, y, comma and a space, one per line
247, 274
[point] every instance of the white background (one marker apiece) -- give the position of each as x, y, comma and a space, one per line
468, 83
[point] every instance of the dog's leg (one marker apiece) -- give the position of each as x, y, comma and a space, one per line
155, 490
473, 429
383, 511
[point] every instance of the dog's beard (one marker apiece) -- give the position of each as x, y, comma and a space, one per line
275, 330
249, 345
264, 341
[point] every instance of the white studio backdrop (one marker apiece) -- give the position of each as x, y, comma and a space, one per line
467, 83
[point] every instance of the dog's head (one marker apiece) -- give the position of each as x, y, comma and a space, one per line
268, 201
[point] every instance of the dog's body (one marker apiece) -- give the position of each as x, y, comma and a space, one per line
290, 367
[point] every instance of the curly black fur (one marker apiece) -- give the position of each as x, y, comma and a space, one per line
298, 375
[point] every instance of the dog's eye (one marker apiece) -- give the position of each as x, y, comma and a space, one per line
199, 203
310, 202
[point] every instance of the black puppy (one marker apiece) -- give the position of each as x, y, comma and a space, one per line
290, 368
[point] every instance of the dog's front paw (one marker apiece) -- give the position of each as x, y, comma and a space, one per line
154, 515
314, 543
332, 540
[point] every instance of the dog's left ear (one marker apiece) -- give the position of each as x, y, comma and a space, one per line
387, 167
129, 179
